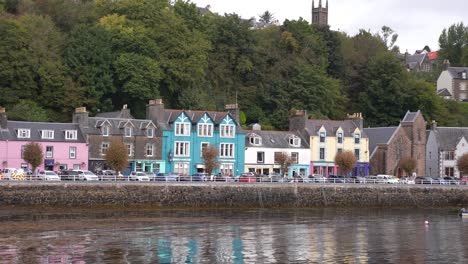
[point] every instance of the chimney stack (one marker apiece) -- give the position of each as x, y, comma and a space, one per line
297, 121
446, 65
81, 116
233, 109
3, 118
155, 111
357, 120
434, 125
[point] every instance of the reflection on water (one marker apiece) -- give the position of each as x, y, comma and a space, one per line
233, 236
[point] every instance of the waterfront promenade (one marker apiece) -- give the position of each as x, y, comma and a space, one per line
228, 195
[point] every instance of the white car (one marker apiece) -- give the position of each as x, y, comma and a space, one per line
48, 176
387, 179
85, 175
11, 173
139, 176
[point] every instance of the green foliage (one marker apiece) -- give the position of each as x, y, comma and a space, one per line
27, 110
453, 44
462, 164
33, 154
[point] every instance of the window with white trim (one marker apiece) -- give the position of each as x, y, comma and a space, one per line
129, 149
71, 134
24, 133
357, 153
104, 148
150, 132
128, 131
226, 150
294, 141
255, 140
49, 152
205, 130
227, 130
322, 153
295, 157
322, 137
339, 138
23, 147
47, 134
105, 131
204, 145
181, 168
182, 148
227, 169
182, 129
149, 150
72, 153
260, 157
357, 138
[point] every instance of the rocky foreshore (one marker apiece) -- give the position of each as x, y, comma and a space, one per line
219, 195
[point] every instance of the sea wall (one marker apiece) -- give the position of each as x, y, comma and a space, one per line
215, 195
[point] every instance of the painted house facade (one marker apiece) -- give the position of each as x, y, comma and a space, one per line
453, 83
142, 138
186, 133
390, 145
262, 149
328, 137
444, 146
63, 144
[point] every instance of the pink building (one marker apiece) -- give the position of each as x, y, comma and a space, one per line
63, 144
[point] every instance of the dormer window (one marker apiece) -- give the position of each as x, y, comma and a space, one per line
47, 134
357, 138
339, 138
182, 129
71, 134
205, 130
128, 131
255, 140
24, 133
322, 137
463, 75
150, 132
294, 141
105, 131
227, 130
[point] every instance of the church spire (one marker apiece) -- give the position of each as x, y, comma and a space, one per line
320, 3
327, 4
313, 4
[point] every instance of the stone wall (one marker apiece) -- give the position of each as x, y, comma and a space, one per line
228, 196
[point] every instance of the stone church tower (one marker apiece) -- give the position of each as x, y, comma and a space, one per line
319, 14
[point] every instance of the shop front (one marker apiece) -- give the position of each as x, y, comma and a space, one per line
297, 169
323, 168
361, 169
155, 166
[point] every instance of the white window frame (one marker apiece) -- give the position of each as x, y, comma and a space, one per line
49, 154
182, 129
149, 150
294, 141
339, 136
324, 154
128, 131
324, 137
226, 150
227, 169
205, 130
227, 131
295, 160
105, 131
255, 140
182, 149
359, 154
150, 134
47, 134
357, 137
72, 152
129, 149
104, 149
24, 133
262, 154
71, 134
182, 168
207, 144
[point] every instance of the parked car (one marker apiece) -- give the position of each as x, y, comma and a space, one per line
8, 173
390, 179
171, 177
318, 178
438, 180
48, 176
263, 178
85, 175
276, 177
296, 178
247, 177
407, 180
452, 180
224, 178
356, 179
463, 181
423, 180
336, 179
138, 176
107, 175
199, 176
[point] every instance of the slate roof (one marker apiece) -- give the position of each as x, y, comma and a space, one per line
455, 72
410, 116
171, 115
275, 139
35, 131
379, 135
331, 126
117, 126
124, 113
448, 137
415, 60
444, 92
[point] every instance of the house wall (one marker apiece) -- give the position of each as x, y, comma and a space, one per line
460, 149
416, 132
10, 151
445, 81
432, 155
460, 89
269, 162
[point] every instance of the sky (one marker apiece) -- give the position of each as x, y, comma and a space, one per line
417, 22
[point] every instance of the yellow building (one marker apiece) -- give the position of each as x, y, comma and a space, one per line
328, 137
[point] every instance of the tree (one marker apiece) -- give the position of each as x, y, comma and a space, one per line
268, 18
284, 160
389, 38
117, 156
462, 164
346, 161
210, 156
28, 110
453, 41
33, 155
408, 164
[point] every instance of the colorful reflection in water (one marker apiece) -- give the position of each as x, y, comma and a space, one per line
233, 236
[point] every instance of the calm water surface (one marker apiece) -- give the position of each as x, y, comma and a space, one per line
233, 236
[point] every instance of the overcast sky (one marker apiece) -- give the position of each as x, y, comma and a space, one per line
417, 22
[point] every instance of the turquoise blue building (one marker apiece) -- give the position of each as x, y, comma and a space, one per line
186, 133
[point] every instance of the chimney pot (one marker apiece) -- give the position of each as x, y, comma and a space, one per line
80, 109
2, 109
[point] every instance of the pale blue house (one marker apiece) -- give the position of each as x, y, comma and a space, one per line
186, 133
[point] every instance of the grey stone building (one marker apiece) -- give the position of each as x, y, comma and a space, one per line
453, 82
320, 13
